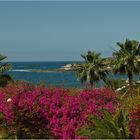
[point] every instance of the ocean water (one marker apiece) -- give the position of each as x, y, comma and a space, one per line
21, 71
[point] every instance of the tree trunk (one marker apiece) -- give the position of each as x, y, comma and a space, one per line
130, 76
91, 84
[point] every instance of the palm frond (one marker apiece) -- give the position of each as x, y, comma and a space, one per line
2, 57
5, 67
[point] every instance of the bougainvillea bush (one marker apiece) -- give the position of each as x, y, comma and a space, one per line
38, 112
29, 111
135, 122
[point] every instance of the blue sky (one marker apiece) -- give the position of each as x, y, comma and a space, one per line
62, 30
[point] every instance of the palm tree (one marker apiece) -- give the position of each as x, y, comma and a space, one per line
4, 66
93, 69
127, 59
4, 78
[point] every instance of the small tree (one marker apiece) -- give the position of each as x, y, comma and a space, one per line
94, 68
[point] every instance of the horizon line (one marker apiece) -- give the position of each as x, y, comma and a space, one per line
69, 0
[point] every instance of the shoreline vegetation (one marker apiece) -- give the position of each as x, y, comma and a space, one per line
29, 111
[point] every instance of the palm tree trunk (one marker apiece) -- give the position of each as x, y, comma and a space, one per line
130, 77
91, 84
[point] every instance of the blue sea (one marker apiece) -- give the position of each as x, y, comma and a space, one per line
21, 71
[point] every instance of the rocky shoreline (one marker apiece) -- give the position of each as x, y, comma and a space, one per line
65, 68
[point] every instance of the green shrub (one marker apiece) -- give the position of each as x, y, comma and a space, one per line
109, 127
115, 83
5, 79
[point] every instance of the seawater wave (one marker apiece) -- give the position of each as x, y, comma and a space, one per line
36, 70
20, 70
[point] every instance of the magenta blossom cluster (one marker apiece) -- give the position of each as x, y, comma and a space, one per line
135, 122
55, 110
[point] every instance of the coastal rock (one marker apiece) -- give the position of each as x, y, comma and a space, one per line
69, 67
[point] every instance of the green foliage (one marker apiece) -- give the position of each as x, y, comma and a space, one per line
109, 127
4, 79
127, 59
115, 83
4, 66
1, 117
3, 128
2, 57
3, 133
131, 96
94, 68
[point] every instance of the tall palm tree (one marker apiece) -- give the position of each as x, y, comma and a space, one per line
4, 78
93, 69
127, 59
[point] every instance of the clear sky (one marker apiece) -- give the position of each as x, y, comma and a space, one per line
62, 30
